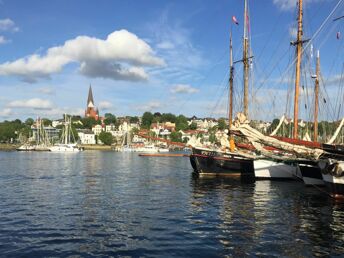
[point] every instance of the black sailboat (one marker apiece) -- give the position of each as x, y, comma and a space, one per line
214, 162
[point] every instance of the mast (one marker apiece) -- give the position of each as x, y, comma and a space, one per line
298, 45
231, 82
316, 98
245, 61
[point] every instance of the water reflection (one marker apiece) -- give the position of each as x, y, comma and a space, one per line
119, 204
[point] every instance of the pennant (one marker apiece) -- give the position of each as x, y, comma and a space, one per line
234, 19
338, 34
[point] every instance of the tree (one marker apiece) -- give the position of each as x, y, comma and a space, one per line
46, 122
168, 117
176, 137
193, 126
181, 123
106, 138
134, 119
88, 122
222, 124
110, 119
147, 119
29, 121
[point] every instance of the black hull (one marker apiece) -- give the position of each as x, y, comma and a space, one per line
212, 163
311, 173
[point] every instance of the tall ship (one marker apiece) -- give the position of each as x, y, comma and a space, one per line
319, 163
217, 162
68, 142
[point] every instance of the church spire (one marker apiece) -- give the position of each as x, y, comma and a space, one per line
90, 101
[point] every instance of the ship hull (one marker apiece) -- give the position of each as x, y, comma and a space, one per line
311, 173
272, 170
334, 179
208, 163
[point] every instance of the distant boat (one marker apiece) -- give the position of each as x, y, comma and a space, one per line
26, 147
66, 145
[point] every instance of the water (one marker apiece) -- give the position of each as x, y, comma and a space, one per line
118, 204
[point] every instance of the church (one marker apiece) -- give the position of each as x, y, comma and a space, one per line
91, 110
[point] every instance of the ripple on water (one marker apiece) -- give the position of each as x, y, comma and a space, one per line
119, 204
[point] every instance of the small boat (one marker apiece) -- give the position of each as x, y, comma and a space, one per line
26, 147
72, 147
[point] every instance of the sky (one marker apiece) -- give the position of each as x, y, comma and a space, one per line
159, 56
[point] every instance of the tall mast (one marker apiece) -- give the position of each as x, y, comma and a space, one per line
316, 98
231, 82
298, 44
245, 61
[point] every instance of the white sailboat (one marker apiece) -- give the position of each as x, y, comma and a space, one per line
66, 145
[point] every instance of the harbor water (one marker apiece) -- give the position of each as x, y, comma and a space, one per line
98, 203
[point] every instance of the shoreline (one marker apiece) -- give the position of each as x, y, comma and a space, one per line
13, 147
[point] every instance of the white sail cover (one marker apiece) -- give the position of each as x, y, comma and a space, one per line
258, 140
336, 132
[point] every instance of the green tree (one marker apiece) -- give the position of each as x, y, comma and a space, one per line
29, 121
147, 119
46, 122
193, 126
106, 138
134, 119
212, 138
88, 122
181, 123
168, 117
222, 124
110, 119
176, 137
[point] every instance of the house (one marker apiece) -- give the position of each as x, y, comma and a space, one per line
97, 129
87, 137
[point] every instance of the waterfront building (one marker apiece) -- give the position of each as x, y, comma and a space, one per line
97, 129
91, 110
87, 137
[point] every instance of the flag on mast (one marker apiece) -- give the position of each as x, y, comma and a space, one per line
234, 19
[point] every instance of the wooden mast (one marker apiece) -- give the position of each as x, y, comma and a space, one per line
231, 75
298, 44
316, 98
245, 61
231, 79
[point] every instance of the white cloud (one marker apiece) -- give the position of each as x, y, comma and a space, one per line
46, 90
8, 25
3, 40
286, 5
6, 112
105, 105
183, 88
120, 57
34, 103
152, 105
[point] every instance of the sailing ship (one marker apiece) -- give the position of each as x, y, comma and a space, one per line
313, 158
217, 162
66, 145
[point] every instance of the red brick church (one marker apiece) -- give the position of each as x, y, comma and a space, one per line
91, 110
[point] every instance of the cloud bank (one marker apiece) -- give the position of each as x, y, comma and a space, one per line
121, 56
183, 88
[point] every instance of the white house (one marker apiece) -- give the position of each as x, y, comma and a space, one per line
87, 138
97, 129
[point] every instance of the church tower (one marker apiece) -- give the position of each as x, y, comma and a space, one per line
91, 110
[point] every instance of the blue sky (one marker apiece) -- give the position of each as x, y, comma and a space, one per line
150, 55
